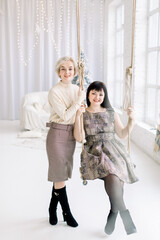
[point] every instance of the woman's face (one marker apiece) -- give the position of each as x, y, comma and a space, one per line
66, 72
96, 97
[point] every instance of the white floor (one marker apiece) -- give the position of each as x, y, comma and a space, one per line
25, 194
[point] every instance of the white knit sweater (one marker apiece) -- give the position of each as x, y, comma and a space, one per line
64, 102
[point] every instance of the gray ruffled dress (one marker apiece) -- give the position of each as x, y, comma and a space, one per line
103, 154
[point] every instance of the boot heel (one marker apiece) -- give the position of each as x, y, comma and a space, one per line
70, 219
64, 217
128, 222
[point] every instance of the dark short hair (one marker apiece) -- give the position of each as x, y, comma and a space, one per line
98, 86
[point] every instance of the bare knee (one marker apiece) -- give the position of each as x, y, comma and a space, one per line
58, 185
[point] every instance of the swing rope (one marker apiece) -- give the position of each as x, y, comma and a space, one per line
81, 76
80, 63
129, 74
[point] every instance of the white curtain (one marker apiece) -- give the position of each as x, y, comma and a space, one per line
34, 34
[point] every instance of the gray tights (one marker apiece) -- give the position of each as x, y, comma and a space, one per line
114, 188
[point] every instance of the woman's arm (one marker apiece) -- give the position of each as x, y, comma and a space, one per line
120, 130
79, 134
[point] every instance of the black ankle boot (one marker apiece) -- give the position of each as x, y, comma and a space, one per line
53, 207
128, 222
67, 215
111, 220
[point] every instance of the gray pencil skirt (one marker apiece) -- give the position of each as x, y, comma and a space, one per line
60, 146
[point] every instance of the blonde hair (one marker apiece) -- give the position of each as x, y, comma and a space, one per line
61, 61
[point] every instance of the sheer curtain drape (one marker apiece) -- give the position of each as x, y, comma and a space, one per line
34, 34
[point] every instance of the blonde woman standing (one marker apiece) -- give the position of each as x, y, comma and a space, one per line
64, 99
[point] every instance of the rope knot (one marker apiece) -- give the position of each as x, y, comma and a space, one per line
81, 65
129, 70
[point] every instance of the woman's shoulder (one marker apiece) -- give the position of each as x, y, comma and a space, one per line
54, 87
58, 89
54, 90
110, 109
111, 113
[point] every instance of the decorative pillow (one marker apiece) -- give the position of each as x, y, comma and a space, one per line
37, 106
46, 107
